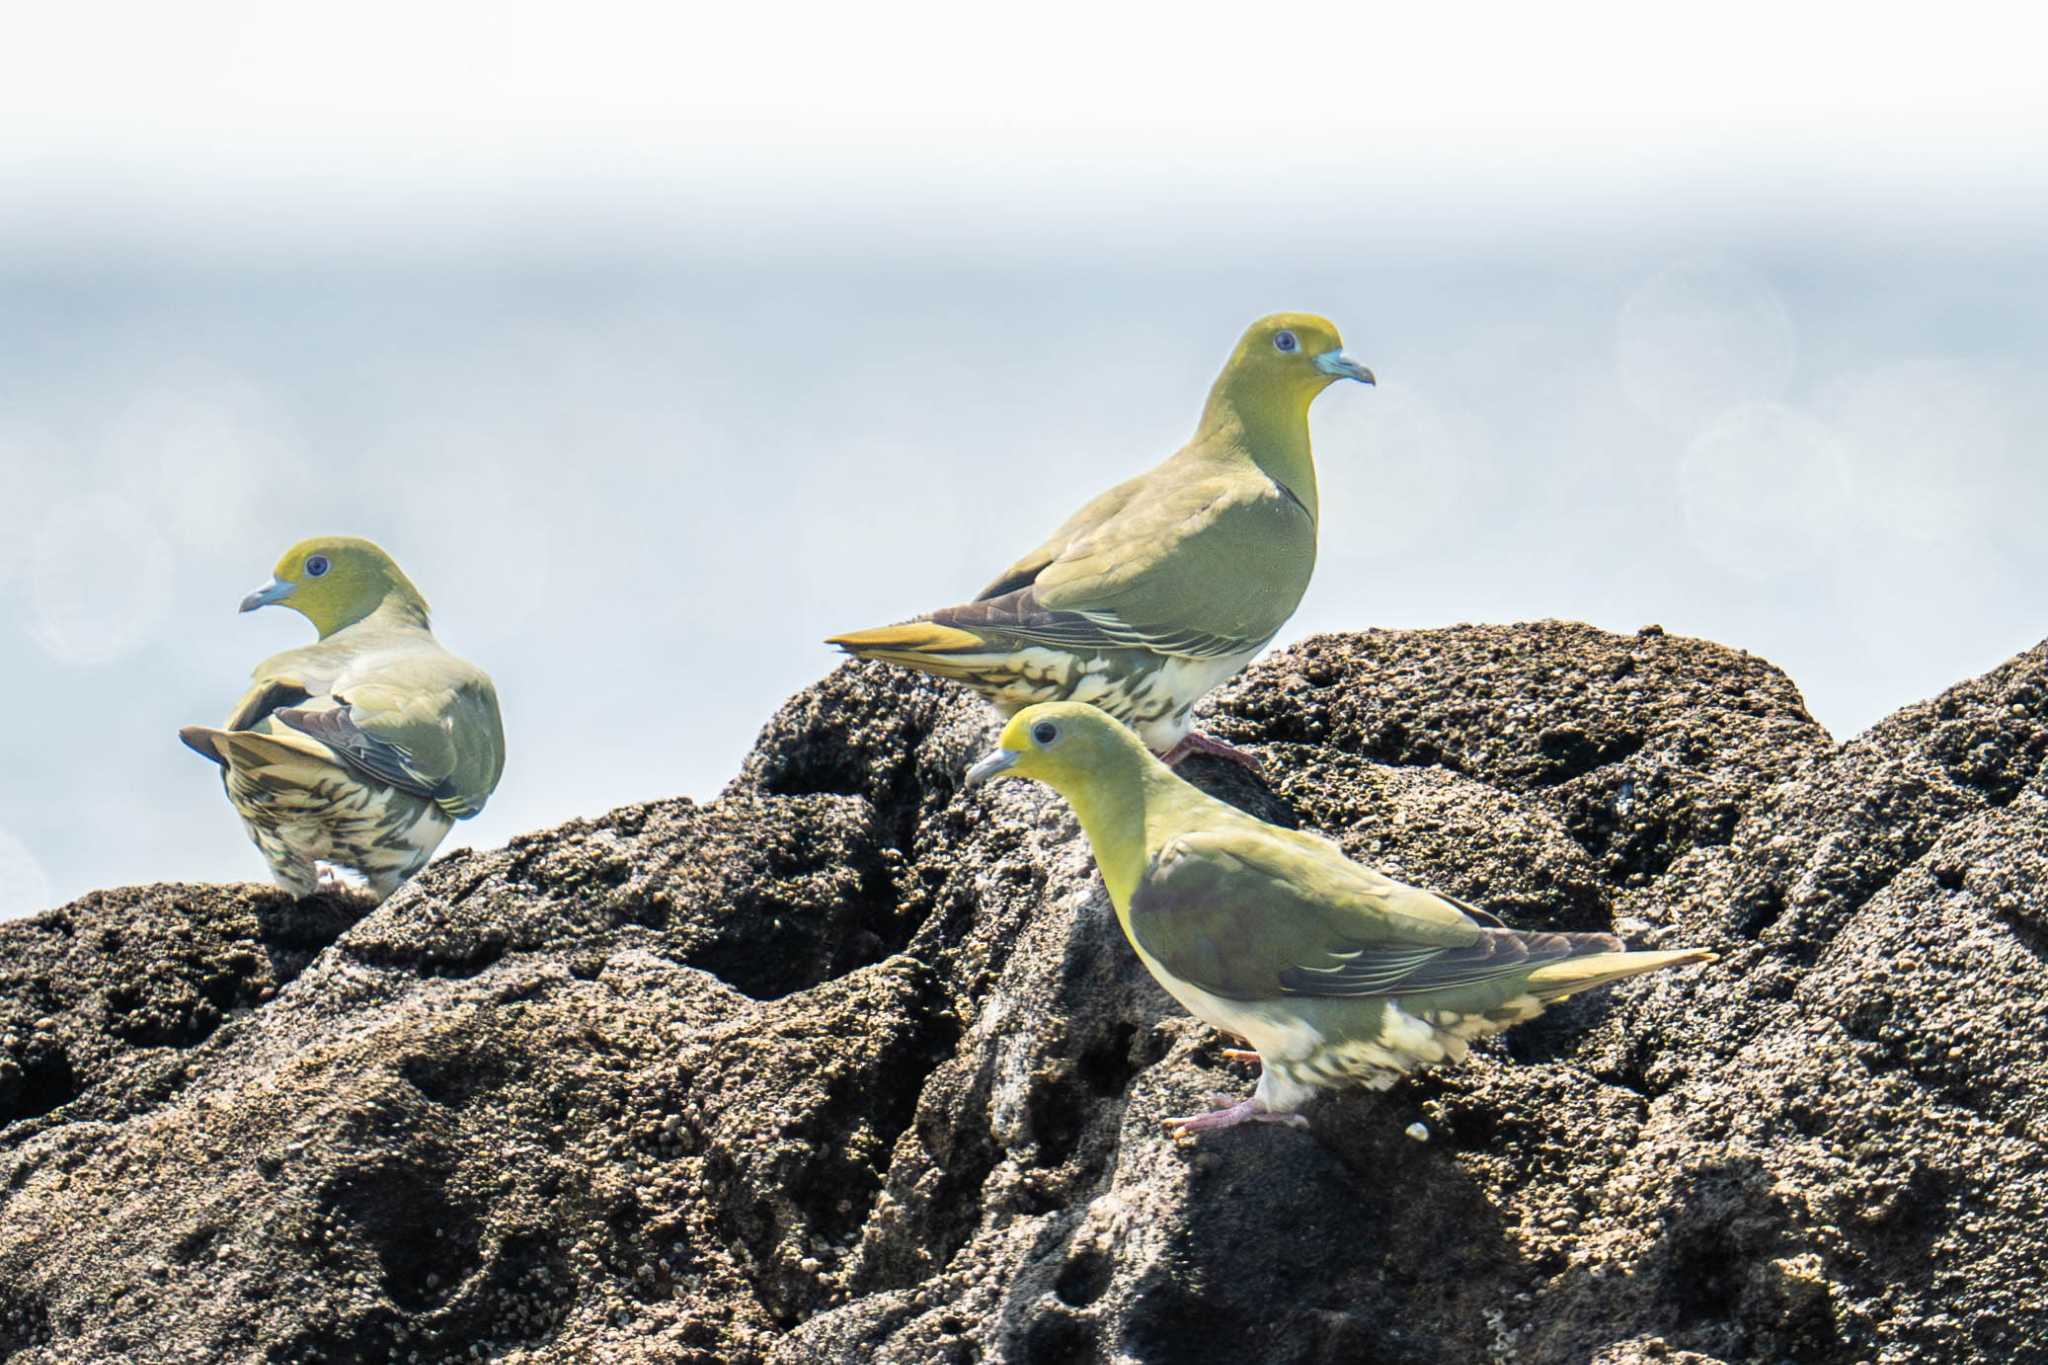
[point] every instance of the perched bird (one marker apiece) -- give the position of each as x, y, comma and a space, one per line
1336, 974
362, 750
1169, 583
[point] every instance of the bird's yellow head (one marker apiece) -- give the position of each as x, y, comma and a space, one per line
336, 581
1072, 747
1290, 356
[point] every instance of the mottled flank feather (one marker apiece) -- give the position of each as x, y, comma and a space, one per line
303, 809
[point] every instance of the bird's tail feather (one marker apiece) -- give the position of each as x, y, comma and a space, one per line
923, 645
1559, 979
199, 739
247, 749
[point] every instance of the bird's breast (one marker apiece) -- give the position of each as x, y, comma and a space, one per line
1276, 1031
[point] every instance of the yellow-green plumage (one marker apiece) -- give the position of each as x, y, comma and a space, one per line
361, 750
1336, 974
1169, 583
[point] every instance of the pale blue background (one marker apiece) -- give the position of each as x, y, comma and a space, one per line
656, 353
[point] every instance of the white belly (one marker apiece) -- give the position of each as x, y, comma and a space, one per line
1283, 1040
1166, 696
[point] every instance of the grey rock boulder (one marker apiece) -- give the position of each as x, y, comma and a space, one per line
849, 1064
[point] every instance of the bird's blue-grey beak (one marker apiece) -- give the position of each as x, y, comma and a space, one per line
276, 590
1001, 761
1341, 366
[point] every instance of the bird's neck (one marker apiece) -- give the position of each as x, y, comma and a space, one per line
1113, 812
397, 609
1272, 427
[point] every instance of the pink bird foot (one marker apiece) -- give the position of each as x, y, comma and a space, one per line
1195, 742
1228, 1113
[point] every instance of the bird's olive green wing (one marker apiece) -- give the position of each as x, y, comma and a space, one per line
1206, 567
1247, 915
1098, 510
428, 725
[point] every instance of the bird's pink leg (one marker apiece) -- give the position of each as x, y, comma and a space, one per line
1195, 742
1228, 1113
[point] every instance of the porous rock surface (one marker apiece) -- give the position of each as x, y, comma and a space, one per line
851, 1064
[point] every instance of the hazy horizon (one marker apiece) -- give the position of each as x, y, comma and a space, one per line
651, 385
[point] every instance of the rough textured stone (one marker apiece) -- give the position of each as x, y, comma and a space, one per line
849, 1064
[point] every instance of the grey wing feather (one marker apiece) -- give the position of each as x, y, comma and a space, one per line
1406, 971
379, 758
1020, 615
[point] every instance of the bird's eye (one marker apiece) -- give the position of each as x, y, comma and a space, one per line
1284, 342
316, 566
1045, 732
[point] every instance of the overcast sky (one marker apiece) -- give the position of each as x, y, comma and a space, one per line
658, 345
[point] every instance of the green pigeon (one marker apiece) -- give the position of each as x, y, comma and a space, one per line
1336, 974
359, 751
1169, 583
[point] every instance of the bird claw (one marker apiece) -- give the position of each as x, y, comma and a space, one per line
1225, 1112
1237, 1054
334, 884
1195, 742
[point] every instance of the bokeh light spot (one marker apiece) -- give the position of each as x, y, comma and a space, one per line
29, 467
1410, 462
1699, 340
216, 456
100, 580
1929, 447
1764, 491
